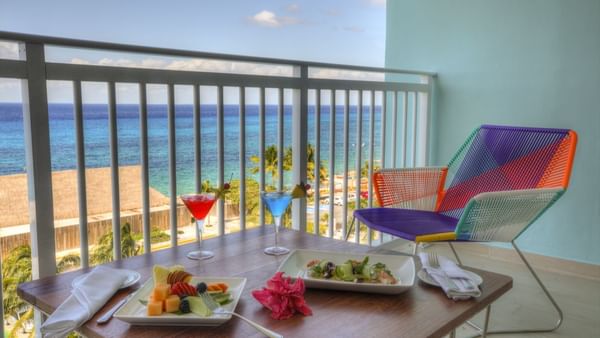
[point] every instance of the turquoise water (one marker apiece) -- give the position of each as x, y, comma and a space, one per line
277, 202
97, 150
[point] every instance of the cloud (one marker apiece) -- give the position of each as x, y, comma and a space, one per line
219, 66
9, 50
354, 29
333, 12
292, 8
198, 65
377, 3
269, 19
340, 74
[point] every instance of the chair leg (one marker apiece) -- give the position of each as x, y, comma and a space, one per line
455, 254
349, 230
546, 292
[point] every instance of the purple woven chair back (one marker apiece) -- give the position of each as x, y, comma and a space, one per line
497, 158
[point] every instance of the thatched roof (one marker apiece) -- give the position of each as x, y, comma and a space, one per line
14, 208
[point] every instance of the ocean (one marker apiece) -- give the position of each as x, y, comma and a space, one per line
97, 151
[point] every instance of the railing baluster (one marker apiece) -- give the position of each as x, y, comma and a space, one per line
346, 159
81, 183
371, 151
414, 129
383, 126
280, 148
145, 170
404, 128
384, 95
114, 170
317, 158
331, 218
425, 101
242, 158
261, 152
172, 164
357, 175
299, 145
197, 147
394, 128
220, 158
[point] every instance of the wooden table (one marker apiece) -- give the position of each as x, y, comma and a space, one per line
423, 311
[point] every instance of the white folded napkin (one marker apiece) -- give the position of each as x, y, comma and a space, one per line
455, 282
86, 298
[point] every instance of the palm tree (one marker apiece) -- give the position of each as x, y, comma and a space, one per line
271, 160
16, 269
68, 262
103, 252
364, 172
310, 165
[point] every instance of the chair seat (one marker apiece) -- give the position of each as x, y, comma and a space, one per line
405, 223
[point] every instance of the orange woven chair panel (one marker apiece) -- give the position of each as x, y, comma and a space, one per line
409, 188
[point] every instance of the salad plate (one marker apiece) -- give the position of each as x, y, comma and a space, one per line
402, 268
134, 311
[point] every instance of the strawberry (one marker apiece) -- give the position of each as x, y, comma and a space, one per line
182, 289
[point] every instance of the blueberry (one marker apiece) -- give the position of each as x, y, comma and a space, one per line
201, 287
184, 306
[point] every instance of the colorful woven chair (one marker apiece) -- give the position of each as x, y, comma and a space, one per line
499, 182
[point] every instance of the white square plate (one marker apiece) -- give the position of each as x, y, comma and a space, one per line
134, 312
402, 267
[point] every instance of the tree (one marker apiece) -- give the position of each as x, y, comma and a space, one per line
16, 269
310, 165
364, 172
68, 262
103, 252
271, 163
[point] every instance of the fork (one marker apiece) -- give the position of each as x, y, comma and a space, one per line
434, 262
218, 309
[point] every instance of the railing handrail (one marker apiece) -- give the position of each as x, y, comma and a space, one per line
91, 44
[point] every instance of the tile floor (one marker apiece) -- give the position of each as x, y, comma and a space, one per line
526, 305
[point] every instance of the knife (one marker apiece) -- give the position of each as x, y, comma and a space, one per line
109, 314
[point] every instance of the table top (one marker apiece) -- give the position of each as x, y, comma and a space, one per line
423, 311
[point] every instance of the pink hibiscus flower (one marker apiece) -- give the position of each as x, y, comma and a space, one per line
283, 297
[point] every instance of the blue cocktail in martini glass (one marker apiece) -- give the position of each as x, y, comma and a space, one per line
277, 202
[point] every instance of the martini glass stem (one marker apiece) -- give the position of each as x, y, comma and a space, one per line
200, 231
277, 221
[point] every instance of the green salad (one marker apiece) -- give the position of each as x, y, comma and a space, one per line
351, 271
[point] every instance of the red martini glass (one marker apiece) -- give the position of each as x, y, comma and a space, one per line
199, 206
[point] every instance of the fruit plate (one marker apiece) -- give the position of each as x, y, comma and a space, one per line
402, 267
134, 312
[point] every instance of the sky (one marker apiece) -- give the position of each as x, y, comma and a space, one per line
332, 31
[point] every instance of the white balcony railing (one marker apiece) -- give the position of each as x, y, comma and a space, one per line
399, 100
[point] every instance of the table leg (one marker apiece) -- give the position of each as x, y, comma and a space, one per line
487, 321
453, 334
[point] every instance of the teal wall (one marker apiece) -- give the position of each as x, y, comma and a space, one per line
514, 62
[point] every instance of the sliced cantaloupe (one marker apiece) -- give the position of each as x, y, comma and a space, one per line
160, 292
154, 308
172, 303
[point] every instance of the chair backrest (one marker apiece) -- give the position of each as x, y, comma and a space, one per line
501, 158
